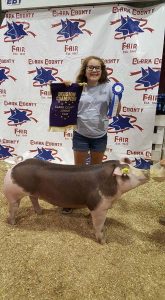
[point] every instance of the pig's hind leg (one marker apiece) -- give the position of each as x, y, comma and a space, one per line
13, 208
13, 193
98, 220
13, 202
37, 207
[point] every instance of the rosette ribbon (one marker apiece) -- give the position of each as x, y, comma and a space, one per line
117, 90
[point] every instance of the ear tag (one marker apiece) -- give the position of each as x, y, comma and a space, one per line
125, 171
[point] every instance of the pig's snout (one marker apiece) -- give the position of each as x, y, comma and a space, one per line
146, 173
142, 174
157, 171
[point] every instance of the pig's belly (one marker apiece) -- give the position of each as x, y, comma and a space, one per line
63, 201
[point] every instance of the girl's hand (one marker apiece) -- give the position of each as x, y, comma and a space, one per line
67, 82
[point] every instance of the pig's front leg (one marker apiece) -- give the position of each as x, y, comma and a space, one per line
37, 207
98, 220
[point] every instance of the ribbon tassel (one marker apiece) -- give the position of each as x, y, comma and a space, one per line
117, 90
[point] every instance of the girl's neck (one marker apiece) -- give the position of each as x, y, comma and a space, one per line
92, 83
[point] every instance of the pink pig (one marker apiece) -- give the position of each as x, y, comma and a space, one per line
93, 186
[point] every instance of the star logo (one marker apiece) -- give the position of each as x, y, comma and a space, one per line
18, 116
46, 154
69, 29
129, 26
149, 77
5, 74
122, 123
44, 76
3, 77
4, 152
15, 31
142, 164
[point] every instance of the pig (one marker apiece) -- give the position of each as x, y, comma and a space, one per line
93, 186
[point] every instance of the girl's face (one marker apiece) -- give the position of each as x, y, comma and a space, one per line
93, 72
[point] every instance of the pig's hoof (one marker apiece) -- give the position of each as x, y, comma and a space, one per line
162, 220
39, 211
11, 221
102, 241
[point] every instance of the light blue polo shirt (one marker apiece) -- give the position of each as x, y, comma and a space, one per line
92, 120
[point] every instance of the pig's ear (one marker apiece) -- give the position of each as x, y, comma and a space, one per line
125, 160
117, 171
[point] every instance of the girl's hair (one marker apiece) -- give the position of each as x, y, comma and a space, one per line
81, 77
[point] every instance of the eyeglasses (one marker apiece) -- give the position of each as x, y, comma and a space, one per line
91, 68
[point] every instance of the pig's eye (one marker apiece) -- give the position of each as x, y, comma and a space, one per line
125, 176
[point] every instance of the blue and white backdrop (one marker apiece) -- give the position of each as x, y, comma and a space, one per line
42, 46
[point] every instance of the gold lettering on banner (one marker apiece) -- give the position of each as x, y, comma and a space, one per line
66, 96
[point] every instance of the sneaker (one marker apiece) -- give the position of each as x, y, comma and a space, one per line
66, 211
162, 220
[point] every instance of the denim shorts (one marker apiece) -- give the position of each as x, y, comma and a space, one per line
82, 143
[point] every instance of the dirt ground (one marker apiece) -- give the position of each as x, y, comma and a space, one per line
55, 256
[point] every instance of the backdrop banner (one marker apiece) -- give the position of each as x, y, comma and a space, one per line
47, 46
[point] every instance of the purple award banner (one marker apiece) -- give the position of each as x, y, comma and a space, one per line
64, 106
